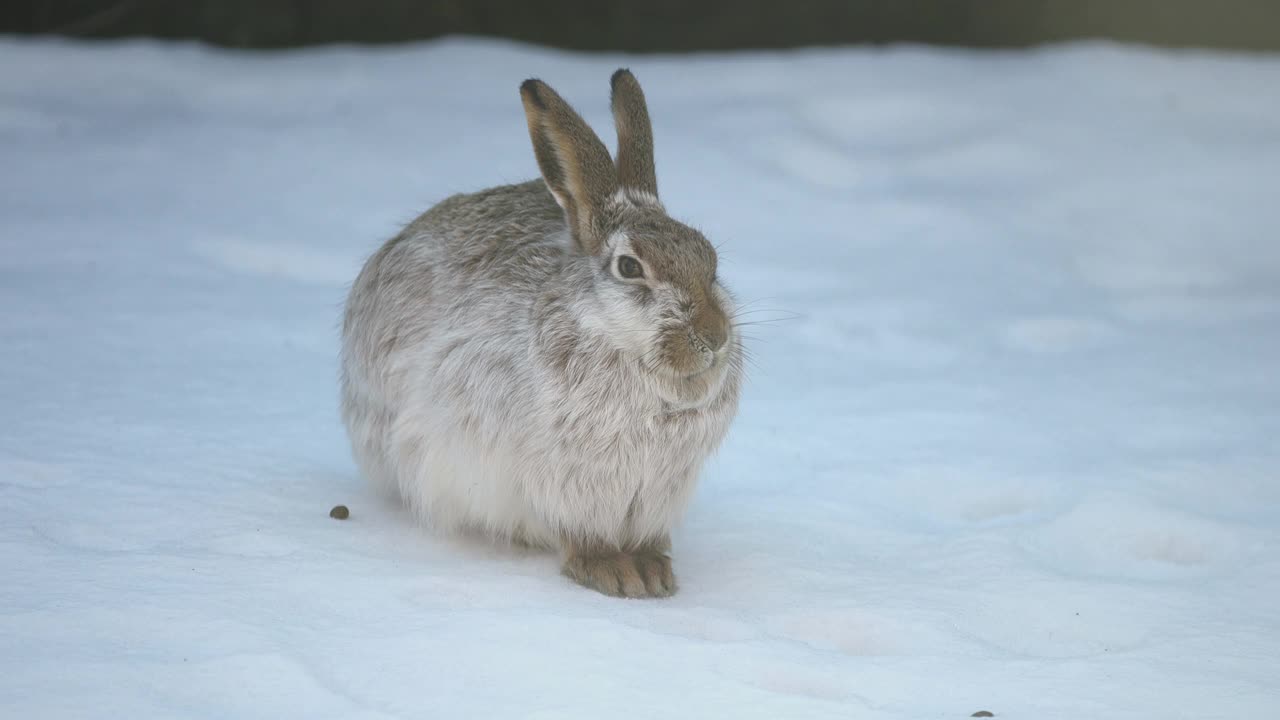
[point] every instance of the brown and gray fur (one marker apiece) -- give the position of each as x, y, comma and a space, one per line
500, 374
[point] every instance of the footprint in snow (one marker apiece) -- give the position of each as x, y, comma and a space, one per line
1127, 537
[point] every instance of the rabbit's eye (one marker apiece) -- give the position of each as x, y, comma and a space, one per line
629, 267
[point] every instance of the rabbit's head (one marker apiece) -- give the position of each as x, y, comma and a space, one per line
653, 287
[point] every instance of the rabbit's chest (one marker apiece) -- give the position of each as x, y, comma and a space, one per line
640, 439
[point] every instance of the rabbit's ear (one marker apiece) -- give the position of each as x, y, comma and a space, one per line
635, 137
574, 163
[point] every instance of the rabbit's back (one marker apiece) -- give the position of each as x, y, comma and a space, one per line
438, 319
466, 260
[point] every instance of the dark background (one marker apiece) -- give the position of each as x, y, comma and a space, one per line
661, 25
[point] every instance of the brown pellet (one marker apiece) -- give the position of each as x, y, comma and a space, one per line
340, 512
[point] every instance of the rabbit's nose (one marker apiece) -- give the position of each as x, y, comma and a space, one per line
710, 323
713, 329
716, 340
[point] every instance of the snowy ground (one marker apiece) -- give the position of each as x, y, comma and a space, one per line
1014, 449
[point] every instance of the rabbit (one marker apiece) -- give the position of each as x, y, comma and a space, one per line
548, 363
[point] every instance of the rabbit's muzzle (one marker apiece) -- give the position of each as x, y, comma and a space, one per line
700, 344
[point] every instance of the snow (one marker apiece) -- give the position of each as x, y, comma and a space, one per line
1009, 443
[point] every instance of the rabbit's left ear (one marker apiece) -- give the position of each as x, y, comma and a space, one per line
574, 162
636, 174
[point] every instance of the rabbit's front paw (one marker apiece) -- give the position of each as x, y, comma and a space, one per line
638, 575
655, 568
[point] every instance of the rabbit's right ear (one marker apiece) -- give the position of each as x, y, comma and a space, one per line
635, 137
574, 162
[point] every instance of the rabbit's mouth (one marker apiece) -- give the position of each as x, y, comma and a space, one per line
690, 388
687, 356
707, 371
